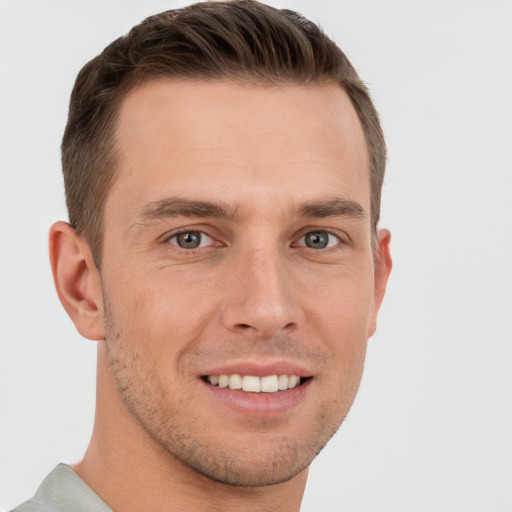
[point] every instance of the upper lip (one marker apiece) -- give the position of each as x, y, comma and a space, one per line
259, 369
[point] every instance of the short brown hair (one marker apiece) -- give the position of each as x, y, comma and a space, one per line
240, 40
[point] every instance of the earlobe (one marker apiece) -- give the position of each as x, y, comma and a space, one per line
382, 269
77, 280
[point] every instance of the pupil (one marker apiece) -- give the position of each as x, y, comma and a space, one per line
189, 240
317, 240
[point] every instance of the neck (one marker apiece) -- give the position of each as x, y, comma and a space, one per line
128, 469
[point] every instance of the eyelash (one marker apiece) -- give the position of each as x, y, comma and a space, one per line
189, 251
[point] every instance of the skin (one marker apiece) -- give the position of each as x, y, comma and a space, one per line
253, 293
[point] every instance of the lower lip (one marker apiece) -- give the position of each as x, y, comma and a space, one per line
259, 404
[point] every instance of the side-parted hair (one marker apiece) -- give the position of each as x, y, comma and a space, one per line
241, 40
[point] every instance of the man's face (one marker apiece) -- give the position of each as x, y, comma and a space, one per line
238, 252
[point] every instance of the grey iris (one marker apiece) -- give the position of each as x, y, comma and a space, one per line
317, 239
189, 240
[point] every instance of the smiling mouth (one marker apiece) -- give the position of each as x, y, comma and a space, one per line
255, 384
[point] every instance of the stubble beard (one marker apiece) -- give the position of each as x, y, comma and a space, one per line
251, 465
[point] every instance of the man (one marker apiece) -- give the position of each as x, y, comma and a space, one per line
223, 166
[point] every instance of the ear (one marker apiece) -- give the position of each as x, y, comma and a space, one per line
77, 280
382, 269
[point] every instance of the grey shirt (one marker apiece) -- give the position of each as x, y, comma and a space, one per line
63, 491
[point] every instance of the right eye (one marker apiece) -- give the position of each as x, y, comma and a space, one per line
191, 240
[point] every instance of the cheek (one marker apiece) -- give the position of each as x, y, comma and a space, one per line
339, 313
342, 301
162, 318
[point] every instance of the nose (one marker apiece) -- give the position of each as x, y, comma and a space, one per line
263, 299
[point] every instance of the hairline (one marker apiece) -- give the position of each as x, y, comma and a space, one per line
115, 146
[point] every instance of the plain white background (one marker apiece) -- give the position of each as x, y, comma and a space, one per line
431, 429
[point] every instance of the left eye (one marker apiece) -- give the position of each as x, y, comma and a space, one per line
318, 240
191, 240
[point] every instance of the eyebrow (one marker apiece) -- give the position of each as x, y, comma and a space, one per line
180, 207
334, 207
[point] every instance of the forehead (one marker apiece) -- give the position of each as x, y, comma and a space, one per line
239, 142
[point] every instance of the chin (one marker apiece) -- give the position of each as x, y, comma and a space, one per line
252, 469
254, 460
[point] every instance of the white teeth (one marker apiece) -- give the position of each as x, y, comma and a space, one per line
223, 381
293, 380
254, 384
269, 384
251, 383
235, 381
213, 379
282, 382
